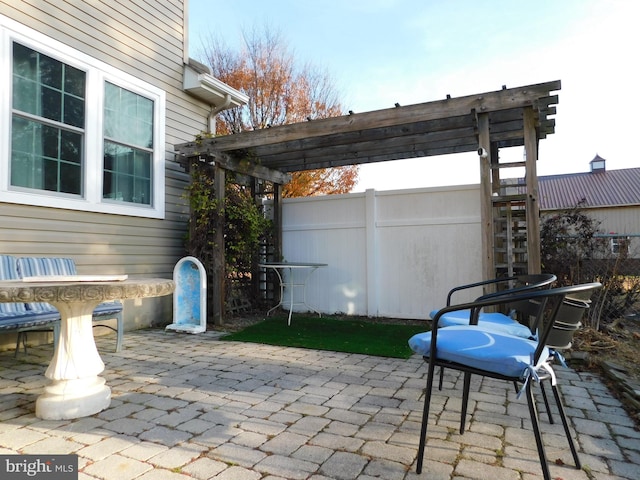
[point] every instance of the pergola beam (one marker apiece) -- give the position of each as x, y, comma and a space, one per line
426, 129
242, 166
450, 107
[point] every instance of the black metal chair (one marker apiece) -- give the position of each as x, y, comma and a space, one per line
475, 350
512, 320
568, 321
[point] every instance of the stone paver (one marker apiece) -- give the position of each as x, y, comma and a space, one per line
225, 411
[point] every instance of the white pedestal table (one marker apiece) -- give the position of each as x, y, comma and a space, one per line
76, 389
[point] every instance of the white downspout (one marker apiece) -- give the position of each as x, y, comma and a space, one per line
216, 110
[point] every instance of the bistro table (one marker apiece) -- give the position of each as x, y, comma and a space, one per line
290, 283
76, 389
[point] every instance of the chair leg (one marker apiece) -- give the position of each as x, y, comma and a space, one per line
441, 380
56, 335
533, 413
22, 336
466, 386
565, 424
425, 417
119, 331
546, 402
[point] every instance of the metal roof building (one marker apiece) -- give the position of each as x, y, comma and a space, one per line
598, 188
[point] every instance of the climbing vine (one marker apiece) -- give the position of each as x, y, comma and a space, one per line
245, 227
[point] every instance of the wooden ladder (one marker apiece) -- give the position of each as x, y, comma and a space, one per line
510, 235
509, 204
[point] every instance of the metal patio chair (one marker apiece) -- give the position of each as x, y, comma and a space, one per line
475, 350
511, 320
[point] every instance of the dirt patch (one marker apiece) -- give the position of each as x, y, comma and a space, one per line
619, 344
613, 353
235, 323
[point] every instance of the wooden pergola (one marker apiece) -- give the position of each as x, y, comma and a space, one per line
483, 123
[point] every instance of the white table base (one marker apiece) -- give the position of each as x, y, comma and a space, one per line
76, 390
69, 399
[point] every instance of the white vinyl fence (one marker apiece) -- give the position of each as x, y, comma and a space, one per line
390, 254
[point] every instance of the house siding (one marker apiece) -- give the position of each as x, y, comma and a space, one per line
146, 39
621, 220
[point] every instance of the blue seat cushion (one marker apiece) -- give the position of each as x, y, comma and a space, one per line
9, 271
13, 321
498, 322
13, 309
108, 308
45, 266
38, 266
481, 348
102, 310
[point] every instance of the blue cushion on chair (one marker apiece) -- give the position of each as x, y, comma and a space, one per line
108, 308
498, 322
38, 266
9, 271
481, 348
45, 266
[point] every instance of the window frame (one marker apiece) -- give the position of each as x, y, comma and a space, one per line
97, 74
619, 245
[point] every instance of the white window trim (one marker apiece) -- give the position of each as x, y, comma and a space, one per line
97, 73
619, 244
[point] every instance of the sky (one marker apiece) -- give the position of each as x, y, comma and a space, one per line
382, 52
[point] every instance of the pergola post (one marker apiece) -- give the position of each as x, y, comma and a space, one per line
486, 213
533, 206
219, 264
277, 222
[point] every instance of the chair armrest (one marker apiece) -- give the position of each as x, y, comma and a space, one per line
477, 284
537, 298
523, 282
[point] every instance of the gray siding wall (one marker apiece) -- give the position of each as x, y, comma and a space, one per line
623, 220
146, 39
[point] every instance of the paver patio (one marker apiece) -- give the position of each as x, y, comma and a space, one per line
188, 406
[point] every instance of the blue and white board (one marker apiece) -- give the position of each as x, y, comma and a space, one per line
189, 297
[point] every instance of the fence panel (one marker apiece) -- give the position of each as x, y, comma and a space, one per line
392, 254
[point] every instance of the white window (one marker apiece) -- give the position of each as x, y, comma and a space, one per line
620, 245
76, 133
128, 146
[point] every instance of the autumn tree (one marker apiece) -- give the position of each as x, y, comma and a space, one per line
280, 92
